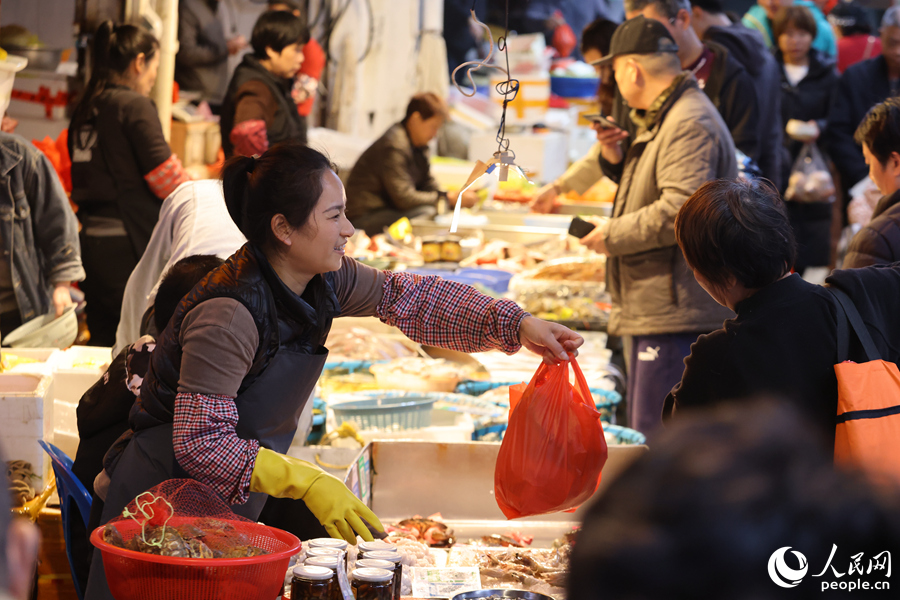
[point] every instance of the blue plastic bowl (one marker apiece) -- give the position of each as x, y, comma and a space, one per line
574, 87
388, 412
625, 435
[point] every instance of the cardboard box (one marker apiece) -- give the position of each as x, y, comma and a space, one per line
195, 143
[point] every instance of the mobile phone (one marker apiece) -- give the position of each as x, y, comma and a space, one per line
601, 120
580, 228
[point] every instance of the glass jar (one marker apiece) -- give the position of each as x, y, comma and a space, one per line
392, 557
340, 545
375, 545
394, 568
322, 552
312, 583
328, 562
371, 584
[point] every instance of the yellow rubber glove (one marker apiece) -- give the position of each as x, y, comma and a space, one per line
333, 504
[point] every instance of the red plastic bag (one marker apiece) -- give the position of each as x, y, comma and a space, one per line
554, 448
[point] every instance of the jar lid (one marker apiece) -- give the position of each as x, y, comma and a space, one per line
374, 563
389, 555
372, 575
323, 552
330, 562
376, 545
328, 543
313, 573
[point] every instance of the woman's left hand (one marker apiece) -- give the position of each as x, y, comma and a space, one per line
552, 341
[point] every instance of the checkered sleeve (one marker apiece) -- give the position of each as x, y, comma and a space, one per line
250, 137
437, 312
166, 177
208, 448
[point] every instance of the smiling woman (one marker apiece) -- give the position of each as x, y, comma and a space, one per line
239, 359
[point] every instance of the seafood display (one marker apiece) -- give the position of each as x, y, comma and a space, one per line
431, 531
205, 538
537, 570
358, 343
419, 374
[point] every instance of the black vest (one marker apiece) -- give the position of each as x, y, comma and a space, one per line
286, 124
282, 319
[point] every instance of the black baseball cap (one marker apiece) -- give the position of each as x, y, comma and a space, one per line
639, 35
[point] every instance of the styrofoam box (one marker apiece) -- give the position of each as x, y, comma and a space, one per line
26, 416
67, 390
84, 359
32, 81
47, 359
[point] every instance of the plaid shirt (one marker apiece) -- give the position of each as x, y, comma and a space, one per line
429, 310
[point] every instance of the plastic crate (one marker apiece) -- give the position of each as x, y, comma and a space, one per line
574, 87
384, 410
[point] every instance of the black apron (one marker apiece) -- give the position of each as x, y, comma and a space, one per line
268, 411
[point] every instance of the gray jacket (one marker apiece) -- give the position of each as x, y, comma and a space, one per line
653, 290
38, 229
202, 60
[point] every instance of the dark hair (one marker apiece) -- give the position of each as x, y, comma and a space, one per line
667, 8
798, 17
597, 35
427, 104
880, 130
178, 281
700, 515
736, 228
286, 180
713, 7
851, 19
115, 48
291, 4
277, 29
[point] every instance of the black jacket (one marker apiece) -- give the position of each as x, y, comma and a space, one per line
878, 243
731, 90
124, 143
783, 343
748, 48
102, 412
283, 122
809, 100
861, 87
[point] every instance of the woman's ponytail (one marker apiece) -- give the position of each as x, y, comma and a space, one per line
113, 50
236, 175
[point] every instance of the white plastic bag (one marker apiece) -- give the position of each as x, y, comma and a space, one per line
810, 180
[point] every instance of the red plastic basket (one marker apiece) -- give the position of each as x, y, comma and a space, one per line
137, 576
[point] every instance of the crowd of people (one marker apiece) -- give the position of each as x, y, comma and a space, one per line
218, 296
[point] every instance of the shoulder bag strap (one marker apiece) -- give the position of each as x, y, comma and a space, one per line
856, 322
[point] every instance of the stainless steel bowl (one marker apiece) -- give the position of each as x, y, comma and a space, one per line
40, 59
501, 594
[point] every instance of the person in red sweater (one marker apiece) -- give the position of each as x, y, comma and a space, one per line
853, 29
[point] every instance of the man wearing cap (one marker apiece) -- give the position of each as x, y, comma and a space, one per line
680, 142
725, 82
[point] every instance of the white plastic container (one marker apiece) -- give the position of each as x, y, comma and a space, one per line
26, 416
8, 70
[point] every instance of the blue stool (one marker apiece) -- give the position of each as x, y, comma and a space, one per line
71, 491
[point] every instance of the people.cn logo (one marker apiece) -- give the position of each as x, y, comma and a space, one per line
782, 574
